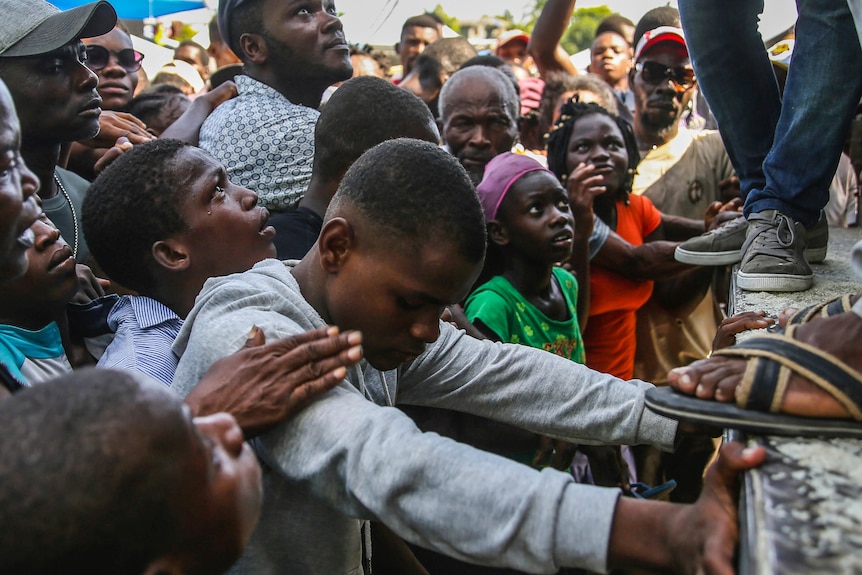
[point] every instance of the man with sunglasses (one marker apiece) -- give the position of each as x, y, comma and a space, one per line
683, 172
116, 63
43, 62
662, 79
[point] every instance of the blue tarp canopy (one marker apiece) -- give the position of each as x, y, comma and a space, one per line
138, 9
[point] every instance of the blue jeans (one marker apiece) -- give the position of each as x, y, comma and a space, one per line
784, 154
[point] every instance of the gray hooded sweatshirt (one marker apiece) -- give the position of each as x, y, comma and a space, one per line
352, 456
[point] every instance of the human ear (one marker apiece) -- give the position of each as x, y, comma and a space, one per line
336, 240
497, 233
254, 47
171, 255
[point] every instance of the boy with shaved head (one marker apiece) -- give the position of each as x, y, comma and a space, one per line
404, 237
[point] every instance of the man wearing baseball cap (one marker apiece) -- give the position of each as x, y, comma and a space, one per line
265, 136
42, 61
682, 172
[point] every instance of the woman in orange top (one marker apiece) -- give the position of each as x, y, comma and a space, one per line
599, 149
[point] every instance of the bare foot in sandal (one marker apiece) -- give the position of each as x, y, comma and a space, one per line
719, 378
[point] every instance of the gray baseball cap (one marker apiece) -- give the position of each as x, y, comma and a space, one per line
32, 27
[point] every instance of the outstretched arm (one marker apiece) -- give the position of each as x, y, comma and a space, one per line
650, 261
699, 538
544, 44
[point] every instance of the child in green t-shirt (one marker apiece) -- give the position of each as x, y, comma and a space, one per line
531, 300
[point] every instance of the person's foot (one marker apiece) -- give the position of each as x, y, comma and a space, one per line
723, 245
718, 378
718, 247
772, 256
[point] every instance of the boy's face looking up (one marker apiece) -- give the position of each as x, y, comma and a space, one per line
227, 231
388, 287
222, 494
50, 280
55, 94
18, 185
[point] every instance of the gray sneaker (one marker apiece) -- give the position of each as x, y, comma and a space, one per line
723, 245
719, 247
773, 255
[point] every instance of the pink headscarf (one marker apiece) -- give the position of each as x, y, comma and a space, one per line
500, 173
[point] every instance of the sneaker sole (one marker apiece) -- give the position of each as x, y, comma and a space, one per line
707, 258
812, 256
773, 282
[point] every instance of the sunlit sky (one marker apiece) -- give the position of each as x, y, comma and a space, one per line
379, 21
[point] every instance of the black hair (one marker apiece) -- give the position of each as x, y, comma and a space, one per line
494, 62
558, 83
417, 193
156, 101
558, 141
215, 31
422, 21
661, 16
205, 58
247, 18
616, 23
173, 80
83, 490
451, 53
130, 206
363, 112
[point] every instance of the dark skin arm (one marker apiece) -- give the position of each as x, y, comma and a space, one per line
544, 44
454, 314
188, 126
583, 187
698, 538
677, 228
650, 261
263, 384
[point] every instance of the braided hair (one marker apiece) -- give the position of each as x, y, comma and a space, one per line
561, 133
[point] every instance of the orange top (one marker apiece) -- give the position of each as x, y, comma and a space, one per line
614, 300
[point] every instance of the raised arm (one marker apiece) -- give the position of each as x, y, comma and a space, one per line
544, 44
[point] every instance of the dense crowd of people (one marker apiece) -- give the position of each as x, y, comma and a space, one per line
285, 308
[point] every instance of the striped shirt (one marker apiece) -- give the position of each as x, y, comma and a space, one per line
145, 331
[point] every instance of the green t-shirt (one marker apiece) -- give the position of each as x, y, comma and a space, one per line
504, 310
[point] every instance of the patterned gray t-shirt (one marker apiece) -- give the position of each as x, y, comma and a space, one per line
265, 141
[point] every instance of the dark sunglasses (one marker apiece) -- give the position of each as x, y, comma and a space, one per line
99, 56
657, 73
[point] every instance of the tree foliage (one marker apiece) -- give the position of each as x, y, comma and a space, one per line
582, 29
578, 36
